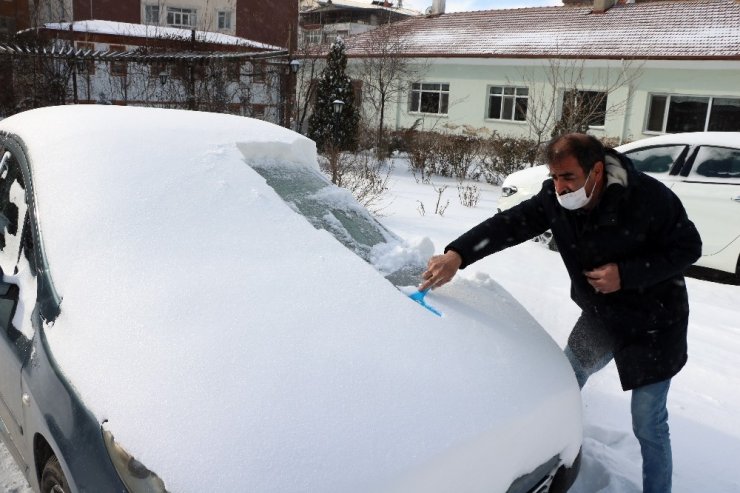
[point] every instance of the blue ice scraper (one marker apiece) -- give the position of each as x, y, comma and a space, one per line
419, 298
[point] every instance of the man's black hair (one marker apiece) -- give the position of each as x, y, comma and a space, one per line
587, 149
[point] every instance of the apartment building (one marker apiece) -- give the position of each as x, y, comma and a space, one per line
271, 22
321, 21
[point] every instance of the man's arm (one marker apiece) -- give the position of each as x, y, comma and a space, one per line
511, 227
503, 230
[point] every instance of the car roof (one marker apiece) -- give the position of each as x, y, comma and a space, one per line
724, 139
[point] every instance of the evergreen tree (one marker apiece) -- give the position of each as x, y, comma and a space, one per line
323, 126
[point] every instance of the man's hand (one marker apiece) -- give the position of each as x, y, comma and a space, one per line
440, 270
605, 279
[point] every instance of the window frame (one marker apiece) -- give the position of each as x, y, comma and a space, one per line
89, 64
677, 162
513, 97
579, 92
223, 20
118, 68
441, 92
181, 13
148, 11
46, 295
666, 111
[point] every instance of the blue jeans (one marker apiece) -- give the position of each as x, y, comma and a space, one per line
649, 423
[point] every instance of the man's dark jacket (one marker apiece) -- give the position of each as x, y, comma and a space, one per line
640, 225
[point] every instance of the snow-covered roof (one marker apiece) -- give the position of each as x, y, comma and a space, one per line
161, 32
363, 5
684, 29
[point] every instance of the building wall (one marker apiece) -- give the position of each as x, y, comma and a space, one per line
14, 16
206, 13
274, 22
43, 11
118, 10
470, 79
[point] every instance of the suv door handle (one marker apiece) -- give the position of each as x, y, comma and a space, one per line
737, 199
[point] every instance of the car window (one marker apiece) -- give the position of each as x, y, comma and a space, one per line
17, 264
716, 162
13, 208
657, 159
325, 206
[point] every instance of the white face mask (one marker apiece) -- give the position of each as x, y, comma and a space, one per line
578, 198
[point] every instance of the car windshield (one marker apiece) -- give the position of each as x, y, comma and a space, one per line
326, 207
335, 210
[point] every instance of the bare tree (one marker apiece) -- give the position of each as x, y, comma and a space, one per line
312, 58
385, 72
573, 96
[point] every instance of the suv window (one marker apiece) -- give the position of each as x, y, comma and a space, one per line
717, 162
656, 159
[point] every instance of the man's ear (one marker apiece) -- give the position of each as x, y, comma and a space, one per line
600, 167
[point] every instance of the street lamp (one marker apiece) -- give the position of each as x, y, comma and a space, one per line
337, 106
163, 76
291, 99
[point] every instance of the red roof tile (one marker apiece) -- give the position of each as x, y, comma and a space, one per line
689, 29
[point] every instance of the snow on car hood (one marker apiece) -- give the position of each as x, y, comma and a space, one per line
231, 346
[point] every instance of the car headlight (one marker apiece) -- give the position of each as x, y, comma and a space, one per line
136, 477
509, 191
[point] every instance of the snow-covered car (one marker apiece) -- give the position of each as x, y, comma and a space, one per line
702, 168
178, 315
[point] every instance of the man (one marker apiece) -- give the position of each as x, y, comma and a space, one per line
625, 240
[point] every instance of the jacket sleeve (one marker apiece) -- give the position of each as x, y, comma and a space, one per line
508, 228
674, 244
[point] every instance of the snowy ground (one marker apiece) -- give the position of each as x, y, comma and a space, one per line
704, 403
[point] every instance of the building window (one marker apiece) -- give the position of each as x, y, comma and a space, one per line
258, 71
151, 14
429, 98
118, 69
257, 111
224, 20
508, 103
177, 17
584, 109
669, 113
234, 70
89, 64
312, 37
7, 25
357, 91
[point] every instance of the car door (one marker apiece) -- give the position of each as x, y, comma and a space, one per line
16, 269
710, 191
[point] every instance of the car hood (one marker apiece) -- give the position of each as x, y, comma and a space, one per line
230, 346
